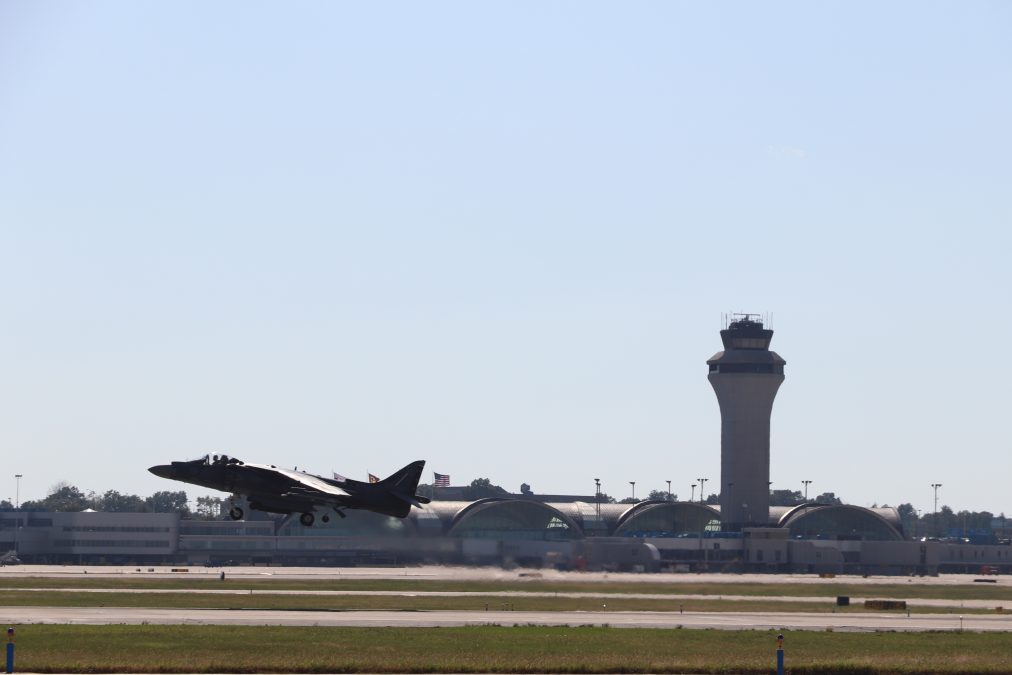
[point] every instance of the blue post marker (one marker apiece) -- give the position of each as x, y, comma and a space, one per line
780, 654
10, 650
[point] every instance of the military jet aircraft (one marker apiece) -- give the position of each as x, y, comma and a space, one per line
271, 488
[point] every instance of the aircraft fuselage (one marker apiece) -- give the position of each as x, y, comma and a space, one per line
278, 490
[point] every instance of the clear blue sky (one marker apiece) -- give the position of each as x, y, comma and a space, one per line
500, 237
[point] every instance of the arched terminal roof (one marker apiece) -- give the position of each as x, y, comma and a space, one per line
585, 514
498, 518
435, 517
842, 521
667, 519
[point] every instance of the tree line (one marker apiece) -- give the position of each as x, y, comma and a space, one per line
66, 497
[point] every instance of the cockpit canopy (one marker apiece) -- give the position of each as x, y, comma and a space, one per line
216, 460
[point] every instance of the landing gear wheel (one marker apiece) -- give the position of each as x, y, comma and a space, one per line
235, 513
325, 518
307, 519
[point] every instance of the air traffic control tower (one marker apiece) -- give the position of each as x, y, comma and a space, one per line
745, 377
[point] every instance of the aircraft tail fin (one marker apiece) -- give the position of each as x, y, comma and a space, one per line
404, 483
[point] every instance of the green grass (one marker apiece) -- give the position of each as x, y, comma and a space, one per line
496, 649
400, 602
827, 589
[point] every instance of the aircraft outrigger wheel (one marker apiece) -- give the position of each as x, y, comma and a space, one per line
307, 519
235, 513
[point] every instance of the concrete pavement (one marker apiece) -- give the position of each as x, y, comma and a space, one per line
716, 620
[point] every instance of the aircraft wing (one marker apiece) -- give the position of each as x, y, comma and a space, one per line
309, 487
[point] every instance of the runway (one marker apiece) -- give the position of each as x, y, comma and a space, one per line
864, 622
448, 573
639, 619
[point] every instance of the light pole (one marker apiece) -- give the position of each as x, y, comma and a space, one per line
17, 509
807, 483
693, 493
669, 489
633, 483
936, 486
702, 483
597, 499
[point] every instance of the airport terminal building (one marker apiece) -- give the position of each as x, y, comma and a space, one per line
646, 536
743, 533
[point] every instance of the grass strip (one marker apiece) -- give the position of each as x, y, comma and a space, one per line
497, 649
169, 599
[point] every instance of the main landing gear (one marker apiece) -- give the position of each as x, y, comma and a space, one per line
308, 518
236, 513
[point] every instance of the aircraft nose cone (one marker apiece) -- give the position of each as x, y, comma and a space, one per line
163, 471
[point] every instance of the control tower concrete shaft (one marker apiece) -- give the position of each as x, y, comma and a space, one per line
745, 377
